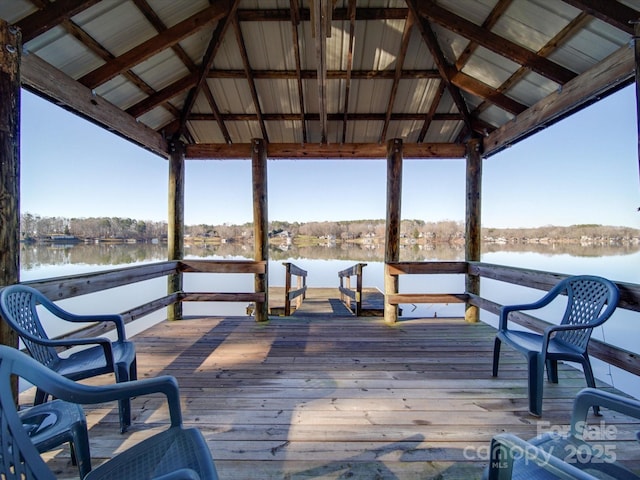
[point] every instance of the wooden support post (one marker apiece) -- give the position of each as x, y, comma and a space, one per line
175, 238
392, 244
10, 54
636, 40
473, 234
260, 222
359, 288
287, 289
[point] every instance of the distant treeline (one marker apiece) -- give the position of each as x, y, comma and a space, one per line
35, 227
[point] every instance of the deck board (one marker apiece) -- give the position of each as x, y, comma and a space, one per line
341, 397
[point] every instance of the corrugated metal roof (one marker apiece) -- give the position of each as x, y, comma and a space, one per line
492, 61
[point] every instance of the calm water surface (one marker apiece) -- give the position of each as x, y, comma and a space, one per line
323, 263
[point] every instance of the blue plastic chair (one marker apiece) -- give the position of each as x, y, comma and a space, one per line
18, 308
55, 423
590, 302
554, 455
175, 453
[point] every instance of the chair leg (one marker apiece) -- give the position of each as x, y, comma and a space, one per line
40, 397
124, 406
496, 355
80, 450
552, 371
591, 382
536, 382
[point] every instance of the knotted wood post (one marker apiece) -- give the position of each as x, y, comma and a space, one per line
392, 243
10, 54
260, 223
473, 231
175, 239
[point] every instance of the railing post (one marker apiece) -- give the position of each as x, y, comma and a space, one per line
359, 288
287, 289
392, 244
473, 235
175, 239
260, 222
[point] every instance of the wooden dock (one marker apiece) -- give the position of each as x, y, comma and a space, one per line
326, 301
329, 397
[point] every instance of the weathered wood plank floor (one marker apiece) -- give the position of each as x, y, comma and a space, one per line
345, 397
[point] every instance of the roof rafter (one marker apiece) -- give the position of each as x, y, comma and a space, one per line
551, 45
497, 11
295, 21
51, 15
493, 42
207, 63
347, 83
404, 45
249, 76
443, 67
151, 47
613, 13
617, 69
432, 112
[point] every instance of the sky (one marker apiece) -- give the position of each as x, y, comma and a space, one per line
582, 170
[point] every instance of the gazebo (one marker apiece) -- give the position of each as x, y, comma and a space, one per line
310, 79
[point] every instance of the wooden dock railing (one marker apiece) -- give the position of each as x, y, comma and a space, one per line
301, 286
65, 287
346, 292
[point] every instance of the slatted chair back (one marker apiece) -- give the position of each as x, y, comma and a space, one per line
590, 302
19, 310
18, 455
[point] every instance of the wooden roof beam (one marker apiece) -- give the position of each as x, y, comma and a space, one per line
331, 74
444, 68
249, 76
205, 66
489, 22
55, 85
317, 151
107, 56
617, 70
613, 13
320, 30
50, 15
151, 47
514, 52
404, 45
432, 112
575, 25
295, 21
153, 18
347, 85
351, 117
338, 14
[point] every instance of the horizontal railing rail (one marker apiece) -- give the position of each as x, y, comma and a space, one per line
629, 299
71, 286
346, 292
300, 292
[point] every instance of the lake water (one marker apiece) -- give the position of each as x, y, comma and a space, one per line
322, 263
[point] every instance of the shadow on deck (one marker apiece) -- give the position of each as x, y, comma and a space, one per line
339, 397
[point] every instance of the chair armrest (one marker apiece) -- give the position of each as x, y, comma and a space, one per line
507, 447
105, 343
589, 397
61, 387
116, 319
